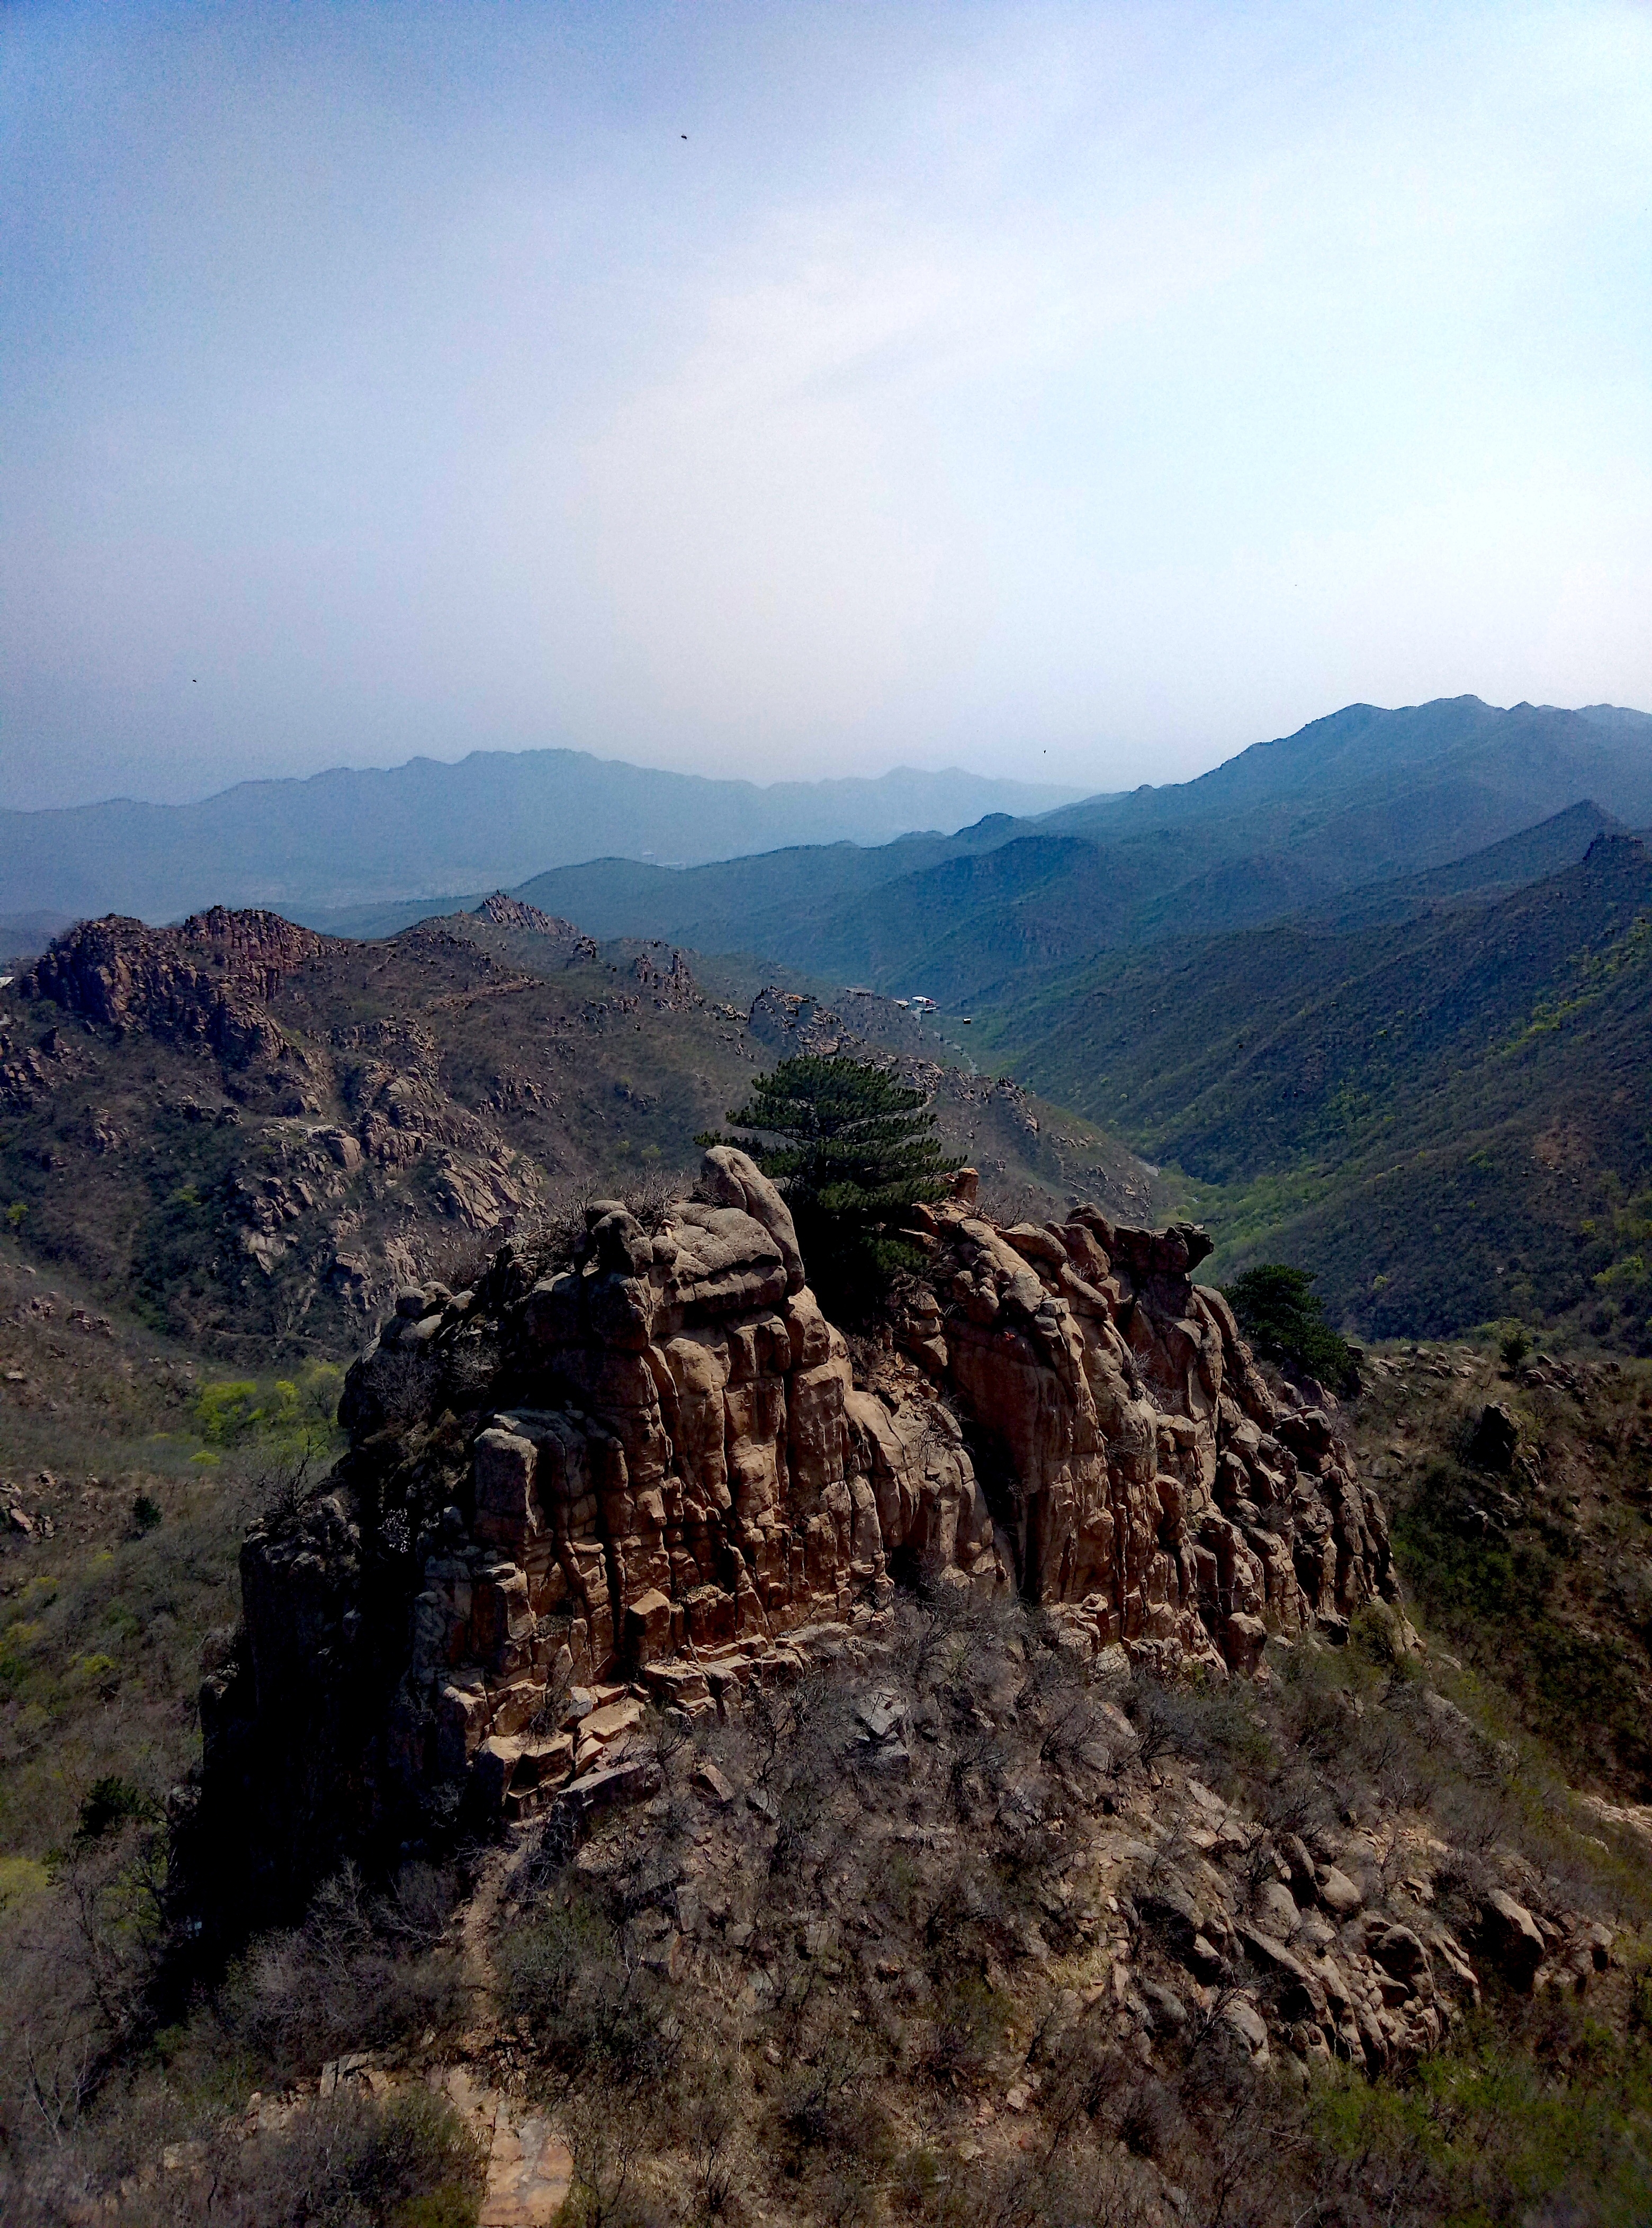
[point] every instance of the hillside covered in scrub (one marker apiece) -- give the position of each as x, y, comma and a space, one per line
653, 1750
1443, 1115
256, 1134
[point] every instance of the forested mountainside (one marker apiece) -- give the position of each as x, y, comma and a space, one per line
1445, 1117
1365, 797
1422, 784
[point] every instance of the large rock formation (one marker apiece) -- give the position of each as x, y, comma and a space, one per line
207, 982
636, 1474
1152, 1478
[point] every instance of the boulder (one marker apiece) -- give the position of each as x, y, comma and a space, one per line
707, 1780
733, 1179
1276, 1909
1510, 1937
1247, 1638
1337, 1891
1496, 1438
1246, 2023
1402, 1958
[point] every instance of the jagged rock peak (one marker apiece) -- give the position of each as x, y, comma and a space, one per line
506, 912
644, 1464
205, 979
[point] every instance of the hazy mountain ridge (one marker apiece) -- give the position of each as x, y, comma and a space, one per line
1359, 798
350, 836
1364, 759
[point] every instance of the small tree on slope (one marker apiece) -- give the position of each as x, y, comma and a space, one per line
1283, 1318
853, 1151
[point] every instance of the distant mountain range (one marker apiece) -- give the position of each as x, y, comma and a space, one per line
1352, 800
950, 876
1376, 998
428, 830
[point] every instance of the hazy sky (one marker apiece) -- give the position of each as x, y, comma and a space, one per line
1087, 391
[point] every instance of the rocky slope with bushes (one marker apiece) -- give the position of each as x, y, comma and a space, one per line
940, 1912
258, 1134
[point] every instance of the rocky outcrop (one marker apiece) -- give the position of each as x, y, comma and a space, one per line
206, 982
505, 912
1153, 1479
633, 1476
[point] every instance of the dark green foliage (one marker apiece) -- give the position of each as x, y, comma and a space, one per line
1495, 1594
1513, 1346
112, 1802
146, 1512
1284, 1318
1214, 1727
856, 1153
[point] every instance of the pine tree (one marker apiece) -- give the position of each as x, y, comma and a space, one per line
1283, 1318
852, 1151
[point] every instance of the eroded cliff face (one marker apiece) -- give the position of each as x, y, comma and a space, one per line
1154, 1481
650, 1474
207, 982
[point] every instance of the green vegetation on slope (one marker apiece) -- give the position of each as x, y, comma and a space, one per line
1284, 1318
1449, 1118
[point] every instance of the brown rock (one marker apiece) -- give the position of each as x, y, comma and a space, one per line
707, 1780
691, 1466
1510, 1937
648, 1626
1337, 1891
613, 1718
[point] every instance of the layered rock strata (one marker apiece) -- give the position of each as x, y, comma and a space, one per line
633, 1477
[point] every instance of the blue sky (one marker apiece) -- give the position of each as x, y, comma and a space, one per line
1086, 391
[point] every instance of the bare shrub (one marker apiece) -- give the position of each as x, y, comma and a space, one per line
361, 1970
610, 2131
714, 2129
1151, 2122
828, 2103
350, 2161
1217, 1729
406, 1385
971, 2021
1063, 1707
1086, 2070
574, 1981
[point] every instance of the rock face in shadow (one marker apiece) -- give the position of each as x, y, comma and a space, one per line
649, 1472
